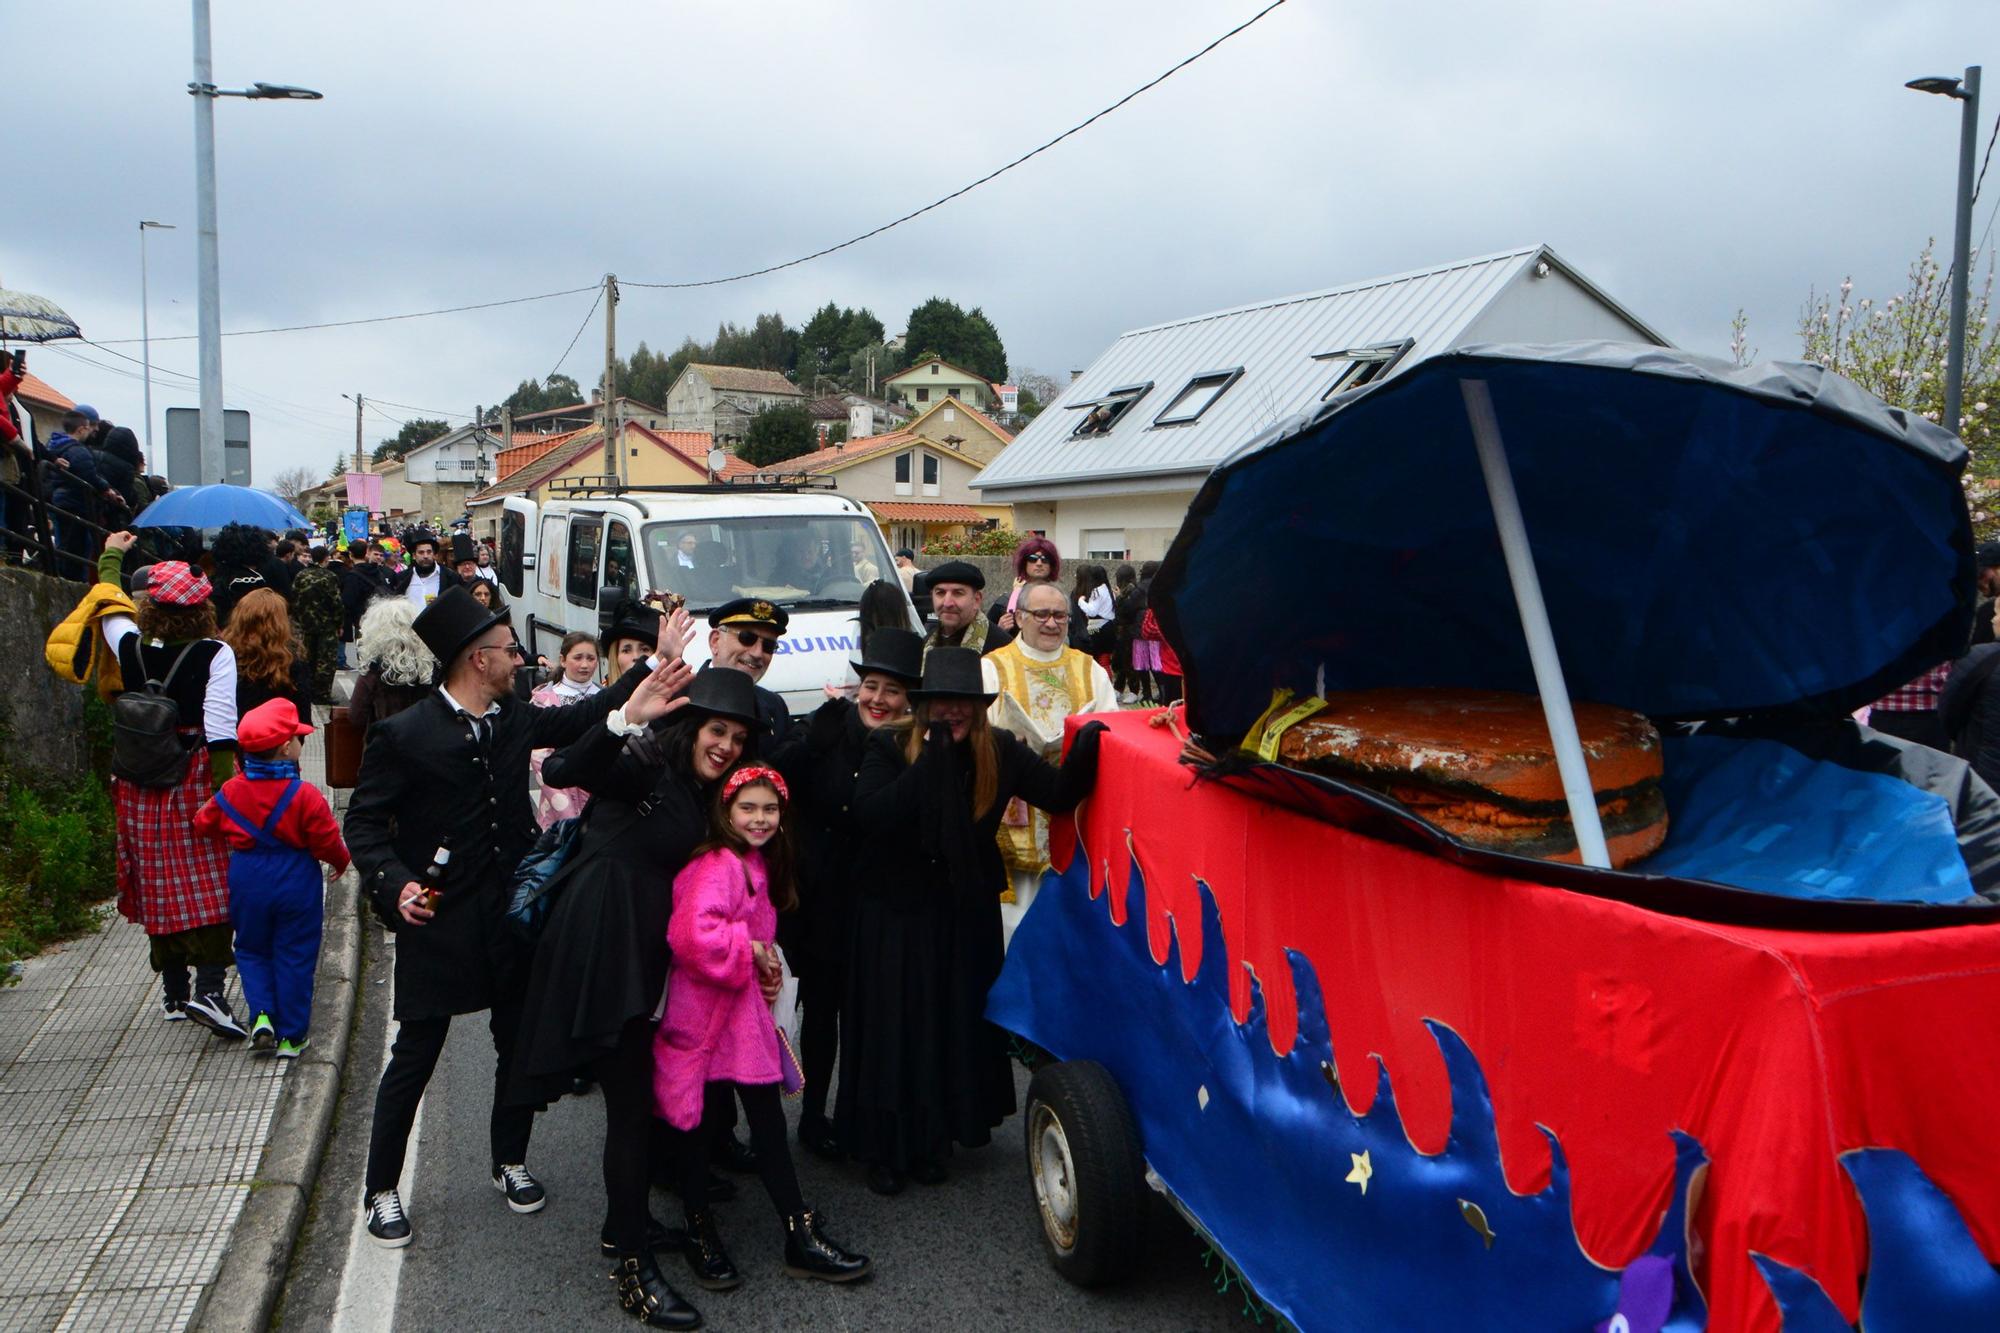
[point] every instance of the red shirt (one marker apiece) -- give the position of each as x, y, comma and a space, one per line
307, 824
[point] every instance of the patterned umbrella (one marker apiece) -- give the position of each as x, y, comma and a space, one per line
27, 318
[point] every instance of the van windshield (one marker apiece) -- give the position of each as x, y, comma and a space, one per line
794, 560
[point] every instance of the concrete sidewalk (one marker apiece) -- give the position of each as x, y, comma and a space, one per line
130, 1146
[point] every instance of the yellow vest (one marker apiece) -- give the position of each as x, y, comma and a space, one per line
76, 651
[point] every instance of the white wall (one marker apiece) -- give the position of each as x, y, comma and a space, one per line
1148, 522
1551, 309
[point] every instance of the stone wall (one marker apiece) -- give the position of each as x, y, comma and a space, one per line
41, 717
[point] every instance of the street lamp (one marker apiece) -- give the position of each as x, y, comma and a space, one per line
209, 264
146, 335
1966, 90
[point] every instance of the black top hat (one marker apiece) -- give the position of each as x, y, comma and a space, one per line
455, 619
725, 692
419, 538
952, 673
1988, 554
893, 652
958, 571
462, 548
634, 620
749, 611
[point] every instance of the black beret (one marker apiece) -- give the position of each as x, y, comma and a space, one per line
958, 571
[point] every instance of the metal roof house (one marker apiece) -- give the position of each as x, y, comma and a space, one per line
1108, 469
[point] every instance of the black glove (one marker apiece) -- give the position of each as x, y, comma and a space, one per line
1090, 728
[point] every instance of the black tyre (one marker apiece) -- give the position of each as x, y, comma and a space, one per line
1087, 1170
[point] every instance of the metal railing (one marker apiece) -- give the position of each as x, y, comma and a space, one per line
47, 556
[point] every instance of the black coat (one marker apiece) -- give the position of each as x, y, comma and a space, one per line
424, 778
1970, 710
920, 1067
360, 585
398, 581
821, 762
232, 584
602, 959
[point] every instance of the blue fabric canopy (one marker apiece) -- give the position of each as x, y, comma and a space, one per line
214, 506
1712, 540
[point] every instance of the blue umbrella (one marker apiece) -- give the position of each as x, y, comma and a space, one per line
213, 506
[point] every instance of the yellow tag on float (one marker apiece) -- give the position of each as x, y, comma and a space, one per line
1274, 731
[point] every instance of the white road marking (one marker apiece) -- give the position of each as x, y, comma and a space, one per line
373, 1276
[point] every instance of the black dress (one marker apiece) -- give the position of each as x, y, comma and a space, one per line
602, 959
920, 1067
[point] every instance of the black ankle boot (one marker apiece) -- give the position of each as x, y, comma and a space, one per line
712, 1265
645, 1295
808, 1252
816, 1137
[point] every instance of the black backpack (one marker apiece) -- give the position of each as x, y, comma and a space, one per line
146, 748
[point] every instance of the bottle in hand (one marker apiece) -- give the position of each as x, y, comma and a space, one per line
433, 877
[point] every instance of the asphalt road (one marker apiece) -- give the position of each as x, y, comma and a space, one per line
966, 1254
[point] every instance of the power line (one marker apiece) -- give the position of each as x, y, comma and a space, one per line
424, 411
967, 189
374, 319
266, 405
1987, 161
579, 333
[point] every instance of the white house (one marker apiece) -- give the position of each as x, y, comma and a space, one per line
449, 468
1107, 471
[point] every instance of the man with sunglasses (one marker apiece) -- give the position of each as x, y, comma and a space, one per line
743, 636
1038, 681
453, 770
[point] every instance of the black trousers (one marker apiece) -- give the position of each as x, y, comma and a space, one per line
765, 1111
1925, 727
625, 1079
419, 1043
819, 1035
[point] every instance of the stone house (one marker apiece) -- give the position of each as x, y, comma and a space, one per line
722, 400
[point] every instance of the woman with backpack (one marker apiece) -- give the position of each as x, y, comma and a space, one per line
176, 744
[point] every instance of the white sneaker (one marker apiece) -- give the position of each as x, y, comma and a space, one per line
212, 1012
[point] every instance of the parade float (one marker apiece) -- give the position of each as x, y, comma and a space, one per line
1405, 1075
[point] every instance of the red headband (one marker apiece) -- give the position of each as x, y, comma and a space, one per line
743, 777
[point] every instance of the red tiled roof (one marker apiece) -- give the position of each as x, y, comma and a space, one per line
690, 446
865, 447
41, 392
528, 449
910, 511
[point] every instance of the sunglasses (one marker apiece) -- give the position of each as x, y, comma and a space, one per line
750, 638
511, 649
1035, 557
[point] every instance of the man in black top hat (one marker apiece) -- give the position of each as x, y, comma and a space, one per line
423, 580
961, 622
451, 774
744, 635
464, 558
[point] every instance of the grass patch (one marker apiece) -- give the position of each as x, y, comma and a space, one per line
57, 841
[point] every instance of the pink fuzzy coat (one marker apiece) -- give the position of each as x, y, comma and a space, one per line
717, 1025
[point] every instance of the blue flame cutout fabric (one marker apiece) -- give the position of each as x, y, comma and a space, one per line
1925, 1271
1259, 1147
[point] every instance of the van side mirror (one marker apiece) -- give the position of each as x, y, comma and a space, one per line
611, 600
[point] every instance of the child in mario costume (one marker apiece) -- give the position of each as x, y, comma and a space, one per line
279, 828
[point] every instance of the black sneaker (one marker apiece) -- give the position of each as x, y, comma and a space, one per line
524, 1193
387, 1226
212, 1012
171, 1010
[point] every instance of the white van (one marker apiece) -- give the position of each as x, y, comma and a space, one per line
806, 549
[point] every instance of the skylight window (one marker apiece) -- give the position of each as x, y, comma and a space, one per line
1199, 395
1356, 366
1101, 414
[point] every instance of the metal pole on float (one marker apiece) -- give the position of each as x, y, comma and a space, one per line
1570, 761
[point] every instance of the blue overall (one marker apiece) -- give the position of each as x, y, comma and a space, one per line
276, 904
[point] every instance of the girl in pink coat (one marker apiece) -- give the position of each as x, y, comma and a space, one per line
718, 1026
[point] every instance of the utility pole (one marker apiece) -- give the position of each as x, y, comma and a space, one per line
1961, 255
208, 264
614, 454
359, 465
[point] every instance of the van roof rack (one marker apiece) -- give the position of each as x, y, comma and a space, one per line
749, 481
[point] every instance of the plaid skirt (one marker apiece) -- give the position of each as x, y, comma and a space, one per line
170, 880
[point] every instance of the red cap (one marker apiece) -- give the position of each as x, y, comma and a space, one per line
269, 725
177, 583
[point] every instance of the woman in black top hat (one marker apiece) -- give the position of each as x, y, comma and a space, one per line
822, 761
920, 1067
600, 967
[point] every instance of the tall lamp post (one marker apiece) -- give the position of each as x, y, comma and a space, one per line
146, 336
1966, 90
202, 88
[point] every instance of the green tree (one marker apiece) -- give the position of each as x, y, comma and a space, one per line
963, 337
1896, 351
778, 433
541, 395
414, 432
1037, 391
825, 334
645, 375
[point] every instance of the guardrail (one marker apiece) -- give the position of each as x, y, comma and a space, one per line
48, 557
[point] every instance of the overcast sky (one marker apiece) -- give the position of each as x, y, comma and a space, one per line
1691, 157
